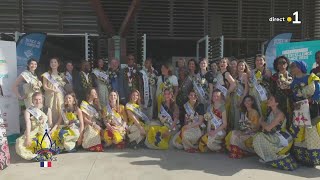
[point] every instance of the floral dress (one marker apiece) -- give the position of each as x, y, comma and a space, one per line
274, 147
239, 142
32, 85
306, 119
4, 147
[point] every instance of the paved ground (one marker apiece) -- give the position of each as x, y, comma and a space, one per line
144, 164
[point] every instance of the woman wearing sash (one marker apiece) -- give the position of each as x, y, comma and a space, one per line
53, 84
115, 121
306, 115
38, 120
273, 144
259, 83
242, 89
280, 82
216, 118
192, 75
68, 133
226, 84
158, 136
69, 77
137, 120
102, 81
165, 78
239, 142
32, 83
190, 133
92, 115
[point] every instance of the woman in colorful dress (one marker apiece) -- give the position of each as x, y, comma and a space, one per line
306, 114
165, 78
69, 129
226, 84
259, 83
137, 120
273, 144
101, 80
53, 85
92, 117
158, 136
280, 84
115, 121
32, 83
191, 132
239, 142
36, 137
242, 89
216, 118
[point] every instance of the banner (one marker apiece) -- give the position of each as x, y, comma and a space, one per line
304, 51
8, 74
271, 48
29, 46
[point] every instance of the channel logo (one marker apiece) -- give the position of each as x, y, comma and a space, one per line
294, 19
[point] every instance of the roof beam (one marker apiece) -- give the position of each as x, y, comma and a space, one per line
102, 16
130, 15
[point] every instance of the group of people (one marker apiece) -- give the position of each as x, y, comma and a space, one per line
275, 116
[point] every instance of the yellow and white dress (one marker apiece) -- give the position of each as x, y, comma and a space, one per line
133, 130
188, 139
214, 121
67, 135
91, 136
239, 142
163, 82
274, 147
32, 85
54, 100
39, 138
116, 120
155, 139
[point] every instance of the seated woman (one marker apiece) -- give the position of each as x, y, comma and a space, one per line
115, 121
137, 120
216, 118
190, 133
239, 142
67, 135
91, 112
158, 136
38, 120
274, 143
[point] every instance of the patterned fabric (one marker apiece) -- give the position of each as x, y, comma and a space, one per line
91, 139
287, 163
158, 137
84, 83
32, 85
4, 148
213, 143
133, 130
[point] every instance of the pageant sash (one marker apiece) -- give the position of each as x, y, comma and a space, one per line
89, 110
261, 90
301, 114
146, 88
239, 90
189, 110
115, 116
28, 77
137, 112
215, 121
284, 137
66, 120
34, 112
54, 82
69, 77
222, 89
200, 90
164, 113
101, 75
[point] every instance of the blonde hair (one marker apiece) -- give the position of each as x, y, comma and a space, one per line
117, 103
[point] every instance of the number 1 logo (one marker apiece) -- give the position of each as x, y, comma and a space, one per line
296, 18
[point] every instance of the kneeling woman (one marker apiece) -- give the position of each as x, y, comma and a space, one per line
36, 137
239, 142
137, 120
115, 121
190, 133
158, 136
216, 118
92, 115
68, 134
274, 143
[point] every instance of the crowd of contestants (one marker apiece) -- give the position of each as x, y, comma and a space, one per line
229, 107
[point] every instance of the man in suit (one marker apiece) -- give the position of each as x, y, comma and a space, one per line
116, 78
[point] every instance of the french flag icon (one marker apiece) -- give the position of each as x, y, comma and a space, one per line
45, 164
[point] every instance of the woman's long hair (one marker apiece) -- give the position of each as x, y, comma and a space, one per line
139, 99
75, 105
117, 103
254, 104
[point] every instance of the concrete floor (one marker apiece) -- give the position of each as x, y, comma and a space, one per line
145, 164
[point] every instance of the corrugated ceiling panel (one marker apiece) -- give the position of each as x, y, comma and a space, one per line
9, 15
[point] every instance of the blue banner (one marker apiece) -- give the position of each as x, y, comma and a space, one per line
304, 51
29, 46
271, 49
